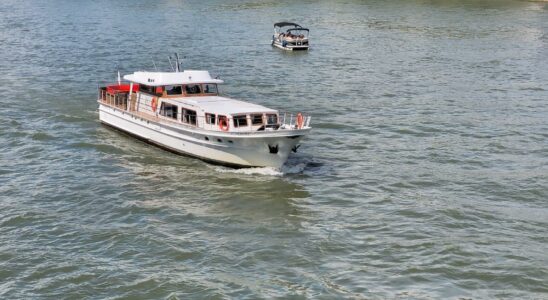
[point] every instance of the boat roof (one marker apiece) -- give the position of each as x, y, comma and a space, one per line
222, 105
299, 28
283, 24
171, 78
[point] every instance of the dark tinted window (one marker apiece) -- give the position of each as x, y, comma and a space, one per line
169, 110
174, 90
146, 89
210, 118
193, 89
240, 121
189, 116
271, 119
210, 88
256, 119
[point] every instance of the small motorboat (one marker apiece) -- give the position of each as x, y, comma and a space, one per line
290, 36
183, 112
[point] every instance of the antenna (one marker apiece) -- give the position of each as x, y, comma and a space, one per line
169, 58
118, 70
156, 68
177, 66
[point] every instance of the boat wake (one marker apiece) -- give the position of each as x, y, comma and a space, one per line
287, 169
265, 171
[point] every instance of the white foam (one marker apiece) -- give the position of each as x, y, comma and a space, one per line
292, 166
266, 171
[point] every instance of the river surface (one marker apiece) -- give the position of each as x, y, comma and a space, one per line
425, 176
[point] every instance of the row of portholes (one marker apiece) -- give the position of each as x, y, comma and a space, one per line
137, 118
218, 140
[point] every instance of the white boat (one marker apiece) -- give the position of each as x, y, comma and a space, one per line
290, 36
182, 111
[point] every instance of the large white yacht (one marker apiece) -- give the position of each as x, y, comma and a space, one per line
182, 111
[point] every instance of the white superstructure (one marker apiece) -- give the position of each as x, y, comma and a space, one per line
183, 112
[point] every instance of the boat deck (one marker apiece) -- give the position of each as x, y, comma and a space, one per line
119, 101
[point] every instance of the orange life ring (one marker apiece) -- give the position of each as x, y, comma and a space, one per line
300, 120
153, 104
223, 124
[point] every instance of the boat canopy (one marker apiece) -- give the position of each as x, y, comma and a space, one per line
297, 29
283, 24
171, 78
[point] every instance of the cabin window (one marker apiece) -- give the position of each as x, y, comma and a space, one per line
147, 89
189, 116
271, 119
210, 118
240, 121
174, 89
169, 110
257, 119
210, 88
192, 89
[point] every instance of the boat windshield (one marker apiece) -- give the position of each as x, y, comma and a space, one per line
297, 32
174, 90
271, 119
210, 88
193, 89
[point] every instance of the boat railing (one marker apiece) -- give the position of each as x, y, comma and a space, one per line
119, 100
291, 120
283, 121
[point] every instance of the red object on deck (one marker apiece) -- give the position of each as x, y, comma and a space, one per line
121, 88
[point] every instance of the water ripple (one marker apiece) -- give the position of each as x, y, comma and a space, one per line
424, 176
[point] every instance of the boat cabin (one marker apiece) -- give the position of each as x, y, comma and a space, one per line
189, 98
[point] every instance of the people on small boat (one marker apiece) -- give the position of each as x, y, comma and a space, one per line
291, 36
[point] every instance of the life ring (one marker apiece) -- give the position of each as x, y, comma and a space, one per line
223, 124
153, 104
300, 120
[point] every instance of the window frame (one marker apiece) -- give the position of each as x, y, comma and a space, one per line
239, 118
253, 116
193, 94
209, 119
163, 110
185, 119
268, 119
210, 84
174, 86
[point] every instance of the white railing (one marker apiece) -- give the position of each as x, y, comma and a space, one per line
122, 101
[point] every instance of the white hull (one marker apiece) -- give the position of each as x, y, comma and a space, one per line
234, 149
278, 44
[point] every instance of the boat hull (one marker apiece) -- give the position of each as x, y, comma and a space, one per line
265, 149
278, 44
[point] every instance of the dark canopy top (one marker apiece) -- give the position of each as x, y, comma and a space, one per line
299, 28
283, 24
